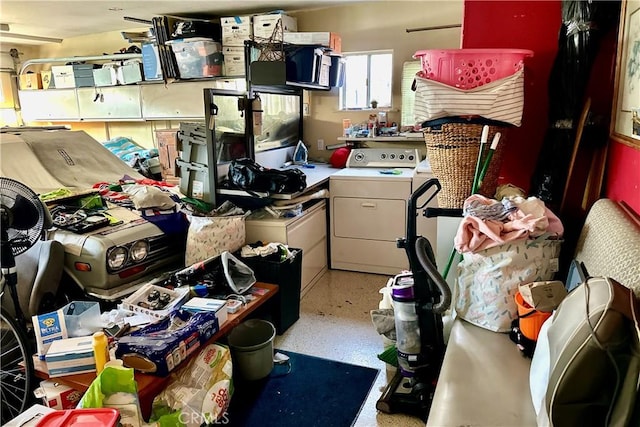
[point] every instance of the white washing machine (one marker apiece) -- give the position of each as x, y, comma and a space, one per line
368, 202
441, 230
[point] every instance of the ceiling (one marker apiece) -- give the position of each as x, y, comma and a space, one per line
37, 21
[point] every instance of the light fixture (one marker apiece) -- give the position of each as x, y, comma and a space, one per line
5, 34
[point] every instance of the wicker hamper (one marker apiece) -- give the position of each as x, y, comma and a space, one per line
452, 150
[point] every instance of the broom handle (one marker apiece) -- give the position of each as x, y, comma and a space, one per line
492, 149
476, 175
474, 188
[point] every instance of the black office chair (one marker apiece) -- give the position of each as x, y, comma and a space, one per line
39, 272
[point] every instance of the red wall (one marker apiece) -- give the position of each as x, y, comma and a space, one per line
534, 25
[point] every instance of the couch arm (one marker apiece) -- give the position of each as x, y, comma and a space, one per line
484, 381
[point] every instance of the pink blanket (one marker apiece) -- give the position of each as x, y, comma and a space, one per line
475, 234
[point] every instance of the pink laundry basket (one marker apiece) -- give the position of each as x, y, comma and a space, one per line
470, 68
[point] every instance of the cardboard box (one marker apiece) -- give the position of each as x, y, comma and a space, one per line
63, 76
30, 81
57, 396
70, 356
327, 39
47, 79
197, 304
236, 29
168, 152
543, 296
233, 61
264, 26
138, 302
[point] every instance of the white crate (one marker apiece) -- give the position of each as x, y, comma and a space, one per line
264, 25
236, 29
178, 296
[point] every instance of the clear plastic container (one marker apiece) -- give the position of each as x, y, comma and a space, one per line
82, 318
470, 68
197, 57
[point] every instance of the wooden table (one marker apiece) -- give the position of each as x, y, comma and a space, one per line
149, 386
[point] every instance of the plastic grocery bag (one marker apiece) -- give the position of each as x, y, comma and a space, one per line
115, 387
201, 390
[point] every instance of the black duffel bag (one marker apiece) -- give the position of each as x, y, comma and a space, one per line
246, 174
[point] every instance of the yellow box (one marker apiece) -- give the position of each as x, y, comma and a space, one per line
30, 81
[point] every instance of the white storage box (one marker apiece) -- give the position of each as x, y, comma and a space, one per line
265, 25
130, 72
197, 304
233, 60
105, 76
236, 29
63, 76
139, 302
70, 356
330, 40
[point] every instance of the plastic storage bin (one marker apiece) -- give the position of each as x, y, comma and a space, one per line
197, 57
82, 318
469, 68
303, 63
288, 276
336, 72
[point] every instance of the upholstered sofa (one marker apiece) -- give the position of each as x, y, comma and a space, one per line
484, 379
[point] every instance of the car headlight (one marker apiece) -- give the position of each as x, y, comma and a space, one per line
139, 250
116, 257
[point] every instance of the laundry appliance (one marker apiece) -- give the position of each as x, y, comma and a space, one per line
369, 210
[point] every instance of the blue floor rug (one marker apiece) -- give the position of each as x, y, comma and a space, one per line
316, 392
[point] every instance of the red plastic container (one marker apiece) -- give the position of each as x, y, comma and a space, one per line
470, 68
103, 417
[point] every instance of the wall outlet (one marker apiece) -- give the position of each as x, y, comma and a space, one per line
321, 144
305, 109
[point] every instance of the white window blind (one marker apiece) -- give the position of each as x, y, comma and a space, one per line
409, 70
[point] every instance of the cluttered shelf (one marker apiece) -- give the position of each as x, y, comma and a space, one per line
413, 137
149, 385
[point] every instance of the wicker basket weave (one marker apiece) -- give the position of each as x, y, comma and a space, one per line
452, 150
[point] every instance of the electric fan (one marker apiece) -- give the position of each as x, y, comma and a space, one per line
22, 220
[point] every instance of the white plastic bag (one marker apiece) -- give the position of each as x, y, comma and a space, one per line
210, 236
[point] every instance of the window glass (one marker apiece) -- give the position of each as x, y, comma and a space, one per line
367, 78
409, 70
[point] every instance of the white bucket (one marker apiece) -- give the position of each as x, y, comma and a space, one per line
251, 345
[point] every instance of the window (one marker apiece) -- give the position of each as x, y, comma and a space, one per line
409, 70
367, 79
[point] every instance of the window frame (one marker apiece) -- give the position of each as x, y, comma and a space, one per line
369, 54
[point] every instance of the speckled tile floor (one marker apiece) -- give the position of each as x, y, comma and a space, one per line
335, 323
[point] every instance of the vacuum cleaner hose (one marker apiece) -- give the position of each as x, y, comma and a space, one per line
430, 268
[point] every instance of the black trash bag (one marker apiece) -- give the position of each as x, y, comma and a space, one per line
245, 174
584, 25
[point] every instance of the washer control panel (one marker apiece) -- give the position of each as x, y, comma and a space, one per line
383, 158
